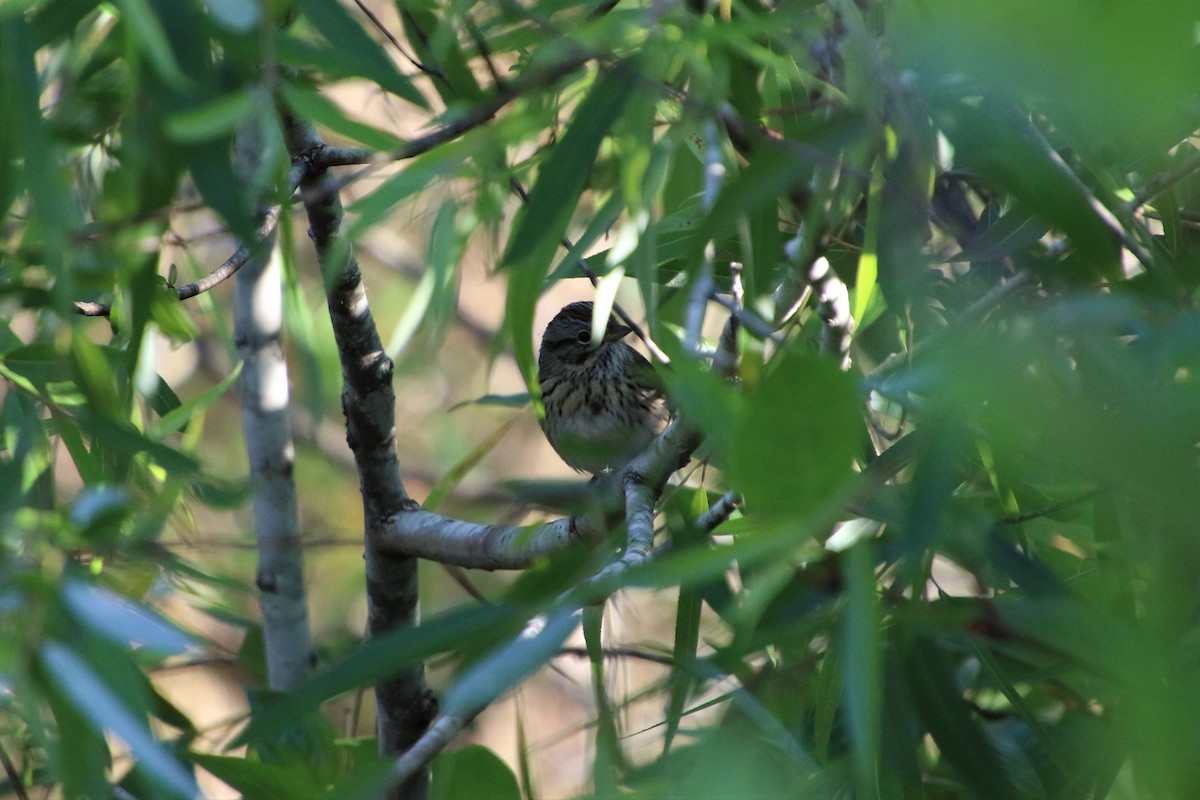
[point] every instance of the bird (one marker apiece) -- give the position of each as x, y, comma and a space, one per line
602, 400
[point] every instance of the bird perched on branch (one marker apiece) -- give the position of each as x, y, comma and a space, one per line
603, 400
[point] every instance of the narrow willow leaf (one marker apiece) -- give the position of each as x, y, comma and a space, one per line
323, 111
258, 779
455, 474
862, 678
416, 175
516, 400
122, 621
507, 666
797, 437
93, 698
434, 40
683, 654
827, 698
358, 51
220, 116
1005, 237
868, 260
178, 417
956, 732
543, 222
151, 37
376, 660
607, 761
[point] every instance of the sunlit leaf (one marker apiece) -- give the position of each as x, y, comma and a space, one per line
552, 200
94, 700
358, 51
123, 621
504, 668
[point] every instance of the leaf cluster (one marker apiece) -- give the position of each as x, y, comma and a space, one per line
964, 567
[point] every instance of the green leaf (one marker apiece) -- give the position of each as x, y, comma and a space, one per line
935, 693
95, 701
42, 172
416, 175
178, 417
774, 170
82, 754
607, 761
798, 436
552, 200
434, 40
860, 659
211, 168
356, 50
991, 145
1121, 77
254, 779
516, 400
218, 117
1007, 236
504, 668
323, 111
868, 260
376, 660
148, 34
455, 474
472, 771
687, 638
827, 698
122, 621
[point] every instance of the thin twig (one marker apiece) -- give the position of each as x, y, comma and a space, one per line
1017, 519
620, 652
210, 281
485, 51
437, 73
718, 512
1163, 182
14, 777
727, 357
755, 325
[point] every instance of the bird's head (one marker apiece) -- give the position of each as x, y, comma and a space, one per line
569, 335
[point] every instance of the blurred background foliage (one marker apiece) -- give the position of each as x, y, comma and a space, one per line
967, 567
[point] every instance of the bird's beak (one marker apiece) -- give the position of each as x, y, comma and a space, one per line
616, 331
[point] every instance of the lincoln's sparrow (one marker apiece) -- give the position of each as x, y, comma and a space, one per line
603, 400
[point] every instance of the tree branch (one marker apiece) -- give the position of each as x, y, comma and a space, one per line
322, 157
271, 452
210, 281
369, 403
833, 307
718, 512
481, 546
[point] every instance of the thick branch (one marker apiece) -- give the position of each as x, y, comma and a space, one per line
264, 391
369, 403
479, 546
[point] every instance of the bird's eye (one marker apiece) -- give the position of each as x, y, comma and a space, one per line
584, 337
